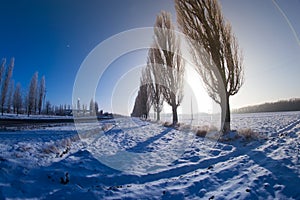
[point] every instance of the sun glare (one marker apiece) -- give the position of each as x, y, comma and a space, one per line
195, 95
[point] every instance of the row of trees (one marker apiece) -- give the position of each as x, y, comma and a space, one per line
162, 79
15, 100
83, 110
94, 107
36, 94
13, 97
66, 110
215, 52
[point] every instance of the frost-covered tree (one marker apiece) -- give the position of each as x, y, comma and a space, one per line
32, 94
10, 96
2, 68
84, 109
92, 107
25, 103
96, 108
154, 79
78, 104
41, 93
6, 82
168, 57
215, 50
48, 107
17, 99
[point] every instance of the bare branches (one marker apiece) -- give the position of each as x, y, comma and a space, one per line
153, 76
167, 57
162, 79
17, 99
5, 84
41, 93
142, 102
214, 48
32, 93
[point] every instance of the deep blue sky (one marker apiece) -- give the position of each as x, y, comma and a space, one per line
53, 37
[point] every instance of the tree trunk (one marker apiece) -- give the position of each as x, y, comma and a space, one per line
175, 117
225, 116
157, 116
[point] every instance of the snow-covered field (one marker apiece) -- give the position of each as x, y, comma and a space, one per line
128, 158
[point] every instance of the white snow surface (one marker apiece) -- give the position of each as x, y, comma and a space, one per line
126, 158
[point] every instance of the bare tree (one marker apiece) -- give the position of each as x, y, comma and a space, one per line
145, 95
142, 103
48, 107
215, 50
92, 107
5, 84
25, 103
17, 99
78, 105
41, 94
169, 59
10, 95
84, 109
153, 73
32, 94
96, 108
2, 68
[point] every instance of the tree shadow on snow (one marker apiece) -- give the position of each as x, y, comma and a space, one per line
142, 146
280, 178
282, 175
86, 172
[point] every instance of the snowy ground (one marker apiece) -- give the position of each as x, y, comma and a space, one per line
131, 159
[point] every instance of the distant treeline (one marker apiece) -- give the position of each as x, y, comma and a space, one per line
279, 106
15, 100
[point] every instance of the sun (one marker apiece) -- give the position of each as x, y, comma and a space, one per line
195, 95
195, 98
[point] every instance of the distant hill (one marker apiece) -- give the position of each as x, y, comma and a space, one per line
279, 106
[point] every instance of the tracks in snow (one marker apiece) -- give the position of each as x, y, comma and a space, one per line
287, 128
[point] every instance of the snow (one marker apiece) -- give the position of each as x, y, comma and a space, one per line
126, 158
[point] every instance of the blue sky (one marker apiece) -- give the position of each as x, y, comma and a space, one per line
271, 49
54, 38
